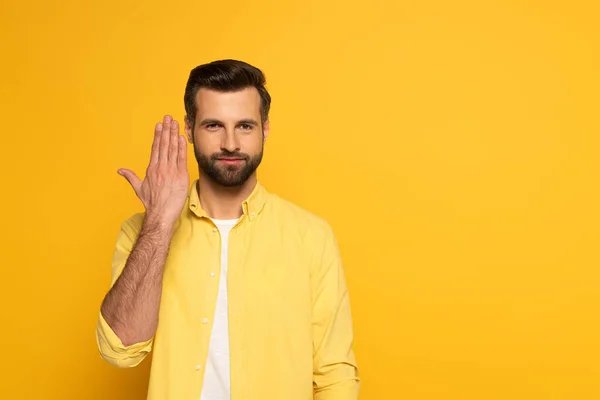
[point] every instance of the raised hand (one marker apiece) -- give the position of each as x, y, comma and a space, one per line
164, 189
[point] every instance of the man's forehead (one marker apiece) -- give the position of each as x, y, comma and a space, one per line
247, 96
241, 105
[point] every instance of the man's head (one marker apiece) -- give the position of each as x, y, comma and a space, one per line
227, 119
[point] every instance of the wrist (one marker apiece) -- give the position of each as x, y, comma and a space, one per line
158, 223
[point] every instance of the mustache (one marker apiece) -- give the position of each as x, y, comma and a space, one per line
233, 154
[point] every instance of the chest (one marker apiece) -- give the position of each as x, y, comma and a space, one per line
267, 273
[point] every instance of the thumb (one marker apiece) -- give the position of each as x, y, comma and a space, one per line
132, 178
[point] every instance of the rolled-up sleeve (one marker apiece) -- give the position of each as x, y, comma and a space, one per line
109, 345
114, 352
335, 371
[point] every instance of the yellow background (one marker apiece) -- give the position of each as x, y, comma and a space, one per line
453, 146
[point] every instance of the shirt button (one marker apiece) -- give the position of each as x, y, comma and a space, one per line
198, 367
252, 213
205, 320
212, 273
214, 229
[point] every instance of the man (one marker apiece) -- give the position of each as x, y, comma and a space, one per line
238, 293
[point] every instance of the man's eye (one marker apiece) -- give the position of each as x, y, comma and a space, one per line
212, 126
246, 127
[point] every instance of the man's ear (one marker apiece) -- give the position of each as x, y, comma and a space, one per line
189, 131
266, 127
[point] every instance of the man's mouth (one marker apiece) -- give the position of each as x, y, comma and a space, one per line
230, 160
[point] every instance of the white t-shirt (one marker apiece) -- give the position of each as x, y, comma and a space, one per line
217, 373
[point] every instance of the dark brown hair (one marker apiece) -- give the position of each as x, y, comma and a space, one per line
225, 76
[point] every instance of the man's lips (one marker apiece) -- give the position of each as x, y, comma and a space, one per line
230, 160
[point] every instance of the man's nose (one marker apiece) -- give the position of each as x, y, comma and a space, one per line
230, 142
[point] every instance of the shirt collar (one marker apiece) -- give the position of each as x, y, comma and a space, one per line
251, 206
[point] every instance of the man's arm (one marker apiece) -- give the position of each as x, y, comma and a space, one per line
129, 313
335, 372
109, 344
131, 306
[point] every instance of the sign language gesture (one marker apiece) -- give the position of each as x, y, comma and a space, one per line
164, 189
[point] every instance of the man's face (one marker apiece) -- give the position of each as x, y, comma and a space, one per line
228, 135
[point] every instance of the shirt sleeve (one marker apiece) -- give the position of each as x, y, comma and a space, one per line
109, 345
335, 371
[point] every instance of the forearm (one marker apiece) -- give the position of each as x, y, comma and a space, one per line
132, 304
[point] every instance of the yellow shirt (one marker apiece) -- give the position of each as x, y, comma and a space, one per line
290, 324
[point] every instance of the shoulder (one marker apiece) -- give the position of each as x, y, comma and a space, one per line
293, 215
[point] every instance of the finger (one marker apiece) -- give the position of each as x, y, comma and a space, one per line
174, 143
182, 154
164, 140
132, 178
156, 144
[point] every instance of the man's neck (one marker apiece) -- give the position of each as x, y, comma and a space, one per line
221, 202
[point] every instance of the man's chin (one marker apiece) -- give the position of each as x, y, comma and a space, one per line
229, 180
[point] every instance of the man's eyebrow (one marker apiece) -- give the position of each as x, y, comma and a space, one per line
209, 121
248, 121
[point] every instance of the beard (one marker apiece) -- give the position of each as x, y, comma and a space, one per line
228, 175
